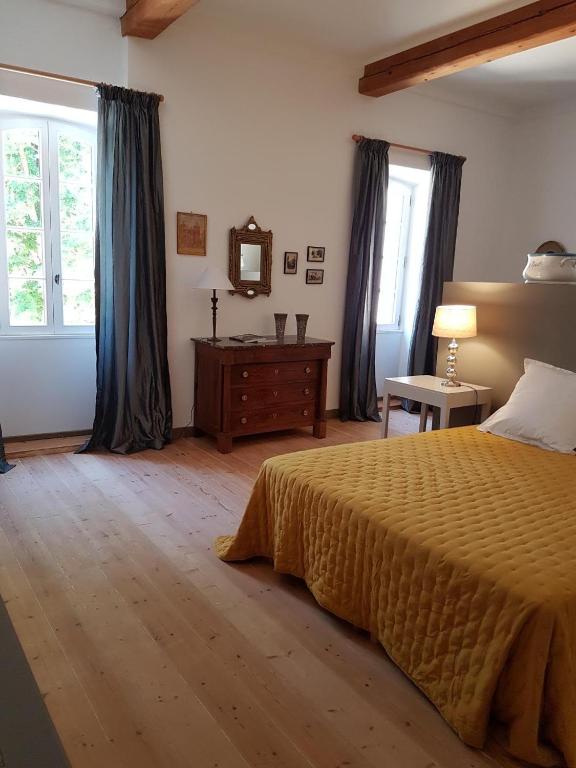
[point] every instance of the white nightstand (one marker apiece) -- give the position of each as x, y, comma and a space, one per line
429, 391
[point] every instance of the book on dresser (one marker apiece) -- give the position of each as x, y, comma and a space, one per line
245, 389
250, 338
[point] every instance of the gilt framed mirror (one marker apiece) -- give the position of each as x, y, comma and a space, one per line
250, 266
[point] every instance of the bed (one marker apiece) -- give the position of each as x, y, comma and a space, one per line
456, 550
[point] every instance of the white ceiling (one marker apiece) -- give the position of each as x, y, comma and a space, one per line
107, 7
365, 30
531, 79
362, 28
355, 27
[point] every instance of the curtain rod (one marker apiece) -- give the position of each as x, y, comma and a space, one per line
407, 147
52, 76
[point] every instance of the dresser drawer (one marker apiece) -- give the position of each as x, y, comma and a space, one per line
248, 398
266, 373
279, 417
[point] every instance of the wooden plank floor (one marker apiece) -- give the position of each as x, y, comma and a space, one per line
22, 449
151, 652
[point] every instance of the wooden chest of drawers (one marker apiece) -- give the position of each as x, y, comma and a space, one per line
242, 389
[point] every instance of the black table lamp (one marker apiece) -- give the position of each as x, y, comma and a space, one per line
214, 279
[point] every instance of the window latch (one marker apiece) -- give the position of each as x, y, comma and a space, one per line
57, 279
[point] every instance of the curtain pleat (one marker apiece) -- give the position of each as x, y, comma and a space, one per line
358, 399
438, 263
133, 400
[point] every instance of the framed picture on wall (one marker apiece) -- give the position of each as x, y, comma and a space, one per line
191, 233
316, 253
314, 276
290, 262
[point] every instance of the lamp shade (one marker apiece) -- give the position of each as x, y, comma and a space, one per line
214, 279
455, 321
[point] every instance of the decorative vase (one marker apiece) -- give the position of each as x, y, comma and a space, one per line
550, 268
301, 323
280, 320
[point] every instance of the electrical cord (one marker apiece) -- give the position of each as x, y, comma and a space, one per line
476, 398
186, 426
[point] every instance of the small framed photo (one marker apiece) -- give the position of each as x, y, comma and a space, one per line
316, 253
290, 262
314, 276
191, 233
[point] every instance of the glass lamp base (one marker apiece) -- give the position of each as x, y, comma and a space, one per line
450, 380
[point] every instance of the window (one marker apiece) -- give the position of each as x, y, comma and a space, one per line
404, 235
47, 175
395, 253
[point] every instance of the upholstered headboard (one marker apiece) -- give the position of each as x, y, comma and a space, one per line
514, 321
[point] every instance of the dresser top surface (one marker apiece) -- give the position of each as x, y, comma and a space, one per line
271, 342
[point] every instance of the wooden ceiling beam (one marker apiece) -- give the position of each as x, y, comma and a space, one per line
148, 18
539, 23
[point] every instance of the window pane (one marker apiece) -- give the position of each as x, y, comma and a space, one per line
25, 257
74, 159
23, 204
393, 254
22, 152
75, 207
78, 298
76, 194
27, 301
77, 252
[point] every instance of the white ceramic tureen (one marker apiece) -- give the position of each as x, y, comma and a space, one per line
550, 268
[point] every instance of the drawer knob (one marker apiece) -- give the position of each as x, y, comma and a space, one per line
244, 398
275, 393
306, 391
243, 420
307, 369
305, 412
274, 415
244, 374
276, 371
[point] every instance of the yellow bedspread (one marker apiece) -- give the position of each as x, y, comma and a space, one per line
457, 550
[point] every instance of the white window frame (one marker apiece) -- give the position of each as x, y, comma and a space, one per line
405, 232
49, 130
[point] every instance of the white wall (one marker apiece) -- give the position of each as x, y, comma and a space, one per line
388, 356
254, 124
543, 206
38, 34
48, 385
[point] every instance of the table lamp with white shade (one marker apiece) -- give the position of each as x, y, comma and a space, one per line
454, 321
214, 279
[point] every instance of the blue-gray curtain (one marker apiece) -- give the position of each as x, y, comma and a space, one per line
4, 466
133, 402
438, 265
358, 399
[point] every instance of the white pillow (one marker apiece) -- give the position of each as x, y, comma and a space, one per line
541, 410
